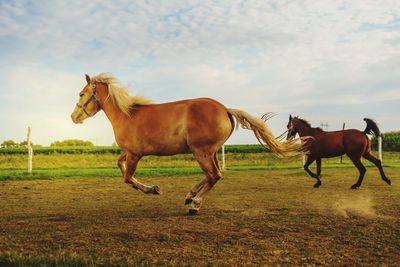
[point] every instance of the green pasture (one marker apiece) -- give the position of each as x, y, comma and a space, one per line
253, 148
85, 164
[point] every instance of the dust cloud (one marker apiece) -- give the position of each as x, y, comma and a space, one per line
358, 205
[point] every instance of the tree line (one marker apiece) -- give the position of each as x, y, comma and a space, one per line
391, 142
68, 142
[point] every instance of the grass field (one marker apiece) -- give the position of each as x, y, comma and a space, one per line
52, 166
253, 217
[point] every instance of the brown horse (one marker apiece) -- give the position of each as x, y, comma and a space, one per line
354, 143
142, 128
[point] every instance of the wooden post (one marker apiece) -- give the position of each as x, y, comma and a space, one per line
380, 147
341, 157
223, 157
30, 151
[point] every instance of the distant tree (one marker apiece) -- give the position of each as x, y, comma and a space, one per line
390, 141
72, 142
24, 144
8, 143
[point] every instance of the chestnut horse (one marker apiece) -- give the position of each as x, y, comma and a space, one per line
354, 143
141, 128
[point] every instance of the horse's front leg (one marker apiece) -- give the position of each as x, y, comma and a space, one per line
310, 159
130, 168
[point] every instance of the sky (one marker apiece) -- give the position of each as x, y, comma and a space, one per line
329, 62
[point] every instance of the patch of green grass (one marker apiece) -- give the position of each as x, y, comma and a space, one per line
67, 259
55, 166
93, 172
146, 171
297, 166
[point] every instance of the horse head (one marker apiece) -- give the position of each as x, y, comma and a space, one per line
291, 128
88, 104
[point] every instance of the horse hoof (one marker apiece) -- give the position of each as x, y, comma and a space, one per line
388, 181
188, 201
317, 185
192, 212
354, 186
156, 190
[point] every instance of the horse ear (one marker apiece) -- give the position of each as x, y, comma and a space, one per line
290, 117
87, 78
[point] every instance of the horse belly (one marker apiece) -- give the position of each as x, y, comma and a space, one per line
170, 142
332, 154
329, 147
173, 148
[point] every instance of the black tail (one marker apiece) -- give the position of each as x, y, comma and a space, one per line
372, 127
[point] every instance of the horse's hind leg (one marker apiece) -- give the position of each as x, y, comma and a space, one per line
309, 161
193, 192
195, 189
318, 184
209, 165
357, 162
378, 164
122, 163
130, 168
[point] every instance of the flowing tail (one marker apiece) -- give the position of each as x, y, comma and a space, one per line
372, 127
264, 134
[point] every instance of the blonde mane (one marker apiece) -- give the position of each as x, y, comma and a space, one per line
119, 93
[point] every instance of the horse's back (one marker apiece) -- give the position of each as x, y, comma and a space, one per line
336, 143
174, 127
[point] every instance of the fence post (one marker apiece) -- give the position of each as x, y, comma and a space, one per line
30, 151
380, 146
223, 157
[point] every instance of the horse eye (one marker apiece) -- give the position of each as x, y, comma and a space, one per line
81, 94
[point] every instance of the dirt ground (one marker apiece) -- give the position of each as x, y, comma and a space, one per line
273, 218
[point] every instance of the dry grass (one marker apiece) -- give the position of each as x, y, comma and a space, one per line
250, 218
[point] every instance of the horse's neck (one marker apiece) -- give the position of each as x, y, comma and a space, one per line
305, 131
309, 131
113, 113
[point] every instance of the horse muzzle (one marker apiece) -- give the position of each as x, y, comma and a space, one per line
76, 118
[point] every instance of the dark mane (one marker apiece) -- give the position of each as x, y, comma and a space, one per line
308, 124
305, 122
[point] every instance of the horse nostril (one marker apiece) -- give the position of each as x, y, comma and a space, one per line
74, 118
